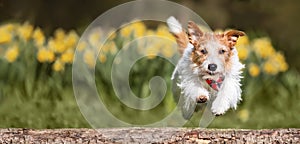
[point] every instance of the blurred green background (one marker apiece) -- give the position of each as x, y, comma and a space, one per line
38, 38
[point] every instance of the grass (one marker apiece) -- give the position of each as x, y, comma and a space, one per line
41, 112
272, 104
33, 95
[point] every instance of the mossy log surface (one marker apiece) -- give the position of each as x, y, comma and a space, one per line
149, 135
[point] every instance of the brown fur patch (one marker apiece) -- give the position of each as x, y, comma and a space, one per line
197, 57
196, 37
229, 39
194, 33
182, 41
228, 54
223, 40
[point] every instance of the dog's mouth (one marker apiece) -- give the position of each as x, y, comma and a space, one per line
212, 73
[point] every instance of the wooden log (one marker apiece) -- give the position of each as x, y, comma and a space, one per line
149, 135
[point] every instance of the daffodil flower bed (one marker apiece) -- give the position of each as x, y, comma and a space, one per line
36, 74
258, 54
261, 57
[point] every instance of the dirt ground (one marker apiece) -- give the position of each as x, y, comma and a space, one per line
149, 135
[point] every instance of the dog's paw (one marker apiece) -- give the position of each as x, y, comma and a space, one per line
218, 111
220, 106
218, 114
201, 99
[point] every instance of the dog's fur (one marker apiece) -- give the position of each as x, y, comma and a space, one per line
198, 50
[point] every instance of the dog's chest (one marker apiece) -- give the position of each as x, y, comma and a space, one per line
205, 85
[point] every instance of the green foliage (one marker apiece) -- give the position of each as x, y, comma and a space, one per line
36, 92
268, 104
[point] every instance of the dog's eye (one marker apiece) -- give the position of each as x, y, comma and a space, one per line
203, 51
222, 51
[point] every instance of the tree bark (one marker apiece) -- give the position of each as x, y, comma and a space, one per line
149, 135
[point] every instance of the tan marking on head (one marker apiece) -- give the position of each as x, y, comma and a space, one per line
229, 39
232, 36
182, 41
194, 33
198, 57
222, 40
224, 53
199, 54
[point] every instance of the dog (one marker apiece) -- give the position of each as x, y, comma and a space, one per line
209, 68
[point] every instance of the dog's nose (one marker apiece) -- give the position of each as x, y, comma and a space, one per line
212, 67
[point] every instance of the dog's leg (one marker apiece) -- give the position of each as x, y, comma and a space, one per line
192, 92
190, 84
228, 96
191, 88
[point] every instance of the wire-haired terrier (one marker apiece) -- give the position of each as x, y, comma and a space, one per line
209, 67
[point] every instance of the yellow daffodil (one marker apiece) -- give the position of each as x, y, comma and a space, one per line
67, 57
71, 40
6, 33
275, 63
59, 34
10, 27
89, 58
94, 38
242, 41
81, 46
39, 37
254, 70
102, 58
139, 28
109, 47
270, 68
126, 31
113, 48
5, 36
263, 47
45, 55
56, 45
280, 61
243, 52
25, 31
12, 53
58, 65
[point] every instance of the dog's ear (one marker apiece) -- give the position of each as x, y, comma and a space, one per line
194, 33
232, 36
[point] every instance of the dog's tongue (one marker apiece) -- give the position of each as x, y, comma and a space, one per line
215, 84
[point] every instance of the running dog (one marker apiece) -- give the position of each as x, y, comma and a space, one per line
209, 67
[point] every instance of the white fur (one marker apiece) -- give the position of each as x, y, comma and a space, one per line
192, 85
229, 94
174, 25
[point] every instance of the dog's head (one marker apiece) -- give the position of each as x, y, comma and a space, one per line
212, 52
